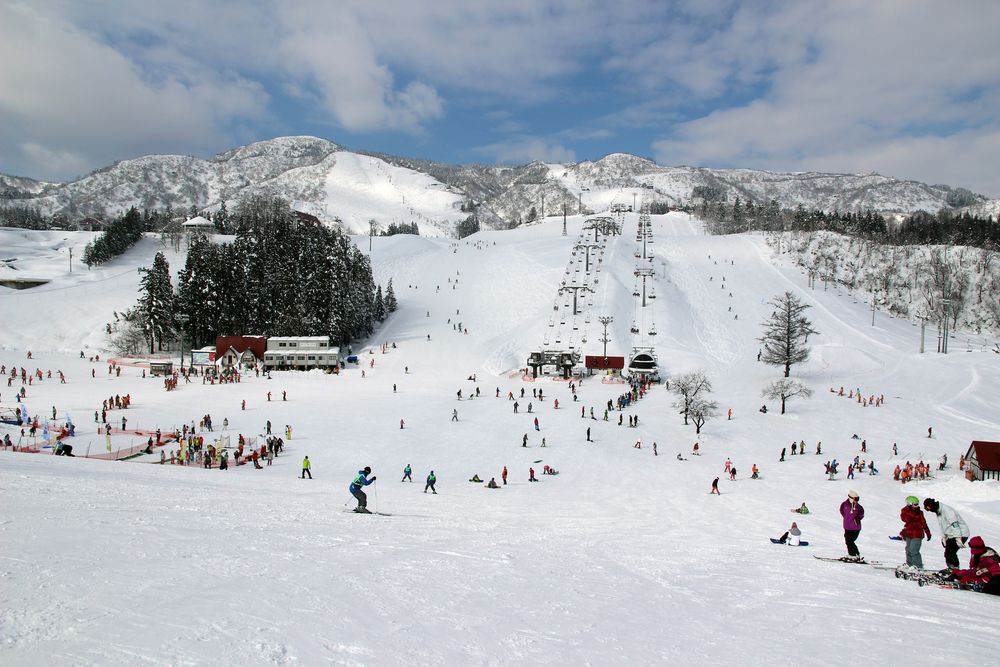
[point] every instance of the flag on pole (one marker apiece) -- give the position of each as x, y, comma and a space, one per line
45, 431
107, 439
24, 413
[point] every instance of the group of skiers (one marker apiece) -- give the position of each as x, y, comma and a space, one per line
984, 566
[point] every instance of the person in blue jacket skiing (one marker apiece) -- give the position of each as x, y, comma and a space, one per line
359, 482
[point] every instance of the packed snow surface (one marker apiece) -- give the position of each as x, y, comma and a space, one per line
622, 558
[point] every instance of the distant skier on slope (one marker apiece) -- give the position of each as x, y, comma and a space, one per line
361, 481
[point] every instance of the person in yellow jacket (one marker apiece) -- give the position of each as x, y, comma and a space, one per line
306, 468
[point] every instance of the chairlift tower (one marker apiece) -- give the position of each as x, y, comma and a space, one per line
644, 273
586, 251
575, 289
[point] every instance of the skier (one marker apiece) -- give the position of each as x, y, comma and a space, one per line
407, 474
531, 475
454, 415
536, 424
503, 475
588, 435
954, 530
524, 440
914, 530
782, 455
715, 487
754, 472
853, 513
984, 567
306, 468
802, 509
361, 480
431, 479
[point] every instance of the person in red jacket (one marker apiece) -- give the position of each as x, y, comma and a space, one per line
503, 475
984, 567
914, 531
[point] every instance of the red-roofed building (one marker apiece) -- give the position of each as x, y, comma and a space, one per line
232, 351
982, 461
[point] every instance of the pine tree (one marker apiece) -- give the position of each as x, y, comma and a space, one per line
378, 309
221, 219
786, 333
390, 298
156, 303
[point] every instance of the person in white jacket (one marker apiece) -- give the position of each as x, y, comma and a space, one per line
954, 530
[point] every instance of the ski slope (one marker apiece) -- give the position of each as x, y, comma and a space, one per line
622, 558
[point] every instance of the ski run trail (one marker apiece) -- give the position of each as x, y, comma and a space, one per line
622, 558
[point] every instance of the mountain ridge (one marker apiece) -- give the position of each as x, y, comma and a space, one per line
438, 195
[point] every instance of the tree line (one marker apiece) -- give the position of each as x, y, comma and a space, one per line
279, 277
946, 227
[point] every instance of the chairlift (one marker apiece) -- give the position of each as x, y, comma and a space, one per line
652, 331
635, 328
652, 294
635, 291
583, 340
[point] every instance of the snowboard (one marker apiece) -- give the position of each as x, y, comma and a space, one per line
896, 537
775, 540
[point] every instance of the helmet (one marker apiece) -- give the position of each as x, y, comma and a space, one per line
912, 500
367, 470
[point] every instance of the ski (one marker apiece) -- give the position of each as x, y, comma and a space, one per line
842, 559
775, 540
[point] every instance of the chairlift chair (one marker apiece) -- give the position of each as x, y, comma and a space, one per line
652, 331
635, 328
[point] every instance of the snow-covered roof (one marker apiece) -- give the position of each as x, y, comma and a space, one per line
199, 221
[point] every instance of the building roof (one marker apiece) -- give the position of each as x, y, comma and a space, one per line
301, 339
256, 344
309, 218
987, 454
199, 221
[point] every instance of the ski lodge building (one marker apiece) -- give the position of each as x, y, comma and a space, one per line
982, 461
299, 353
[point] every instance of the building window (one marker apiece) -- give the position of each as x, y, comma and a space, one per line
292, 344
312, 357
281, 345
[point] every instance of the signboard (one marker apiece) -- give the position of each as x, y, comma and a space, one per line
600, 362
202, 358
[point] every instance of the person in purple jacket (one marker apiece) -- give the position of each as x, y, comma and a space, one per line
853, 513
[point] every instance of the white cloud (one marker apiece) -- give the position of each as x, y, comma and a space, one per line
908, 89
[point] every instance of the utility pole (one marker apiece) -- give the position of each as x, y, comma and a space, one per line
633, 201
564, 219
71, 260
182, 319
605, 320
944, 340
543, 207
579, 196
873, 307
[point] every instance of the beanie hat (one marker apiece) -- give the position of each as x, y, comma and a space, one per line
977, 544
794, 525
853, 494
367, 470
912, 500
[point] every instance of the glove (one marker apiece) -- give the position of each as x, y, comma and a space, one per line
374, 478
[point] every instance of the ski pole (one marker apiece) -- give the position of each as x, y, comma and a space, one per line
375, 498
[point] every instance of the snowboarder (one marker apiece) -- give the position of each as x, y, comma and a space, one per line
803, 509
782, 455
407, 474
360, 481
531, 475
306, 468
454, 415
852, 512
914, 530
792, 536
954, 530
503, 475
715, 487
524, 440
431, 480
588, 435
492, 483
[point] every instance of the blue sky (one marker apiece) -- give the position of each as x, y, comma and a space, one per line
905, 88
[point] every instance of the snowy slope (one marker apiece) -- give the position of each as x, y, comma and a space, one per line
622, 558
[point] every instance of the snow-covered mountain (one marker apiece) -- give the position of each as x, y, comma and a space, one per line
333, 183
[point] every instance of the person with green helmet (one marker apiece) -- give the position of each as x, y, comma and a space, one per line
914, 531
407, 474
431, 480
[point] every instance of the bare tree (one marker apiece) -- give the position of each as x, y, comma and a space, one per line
786, 333
701, 409
784, 388
688, 386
